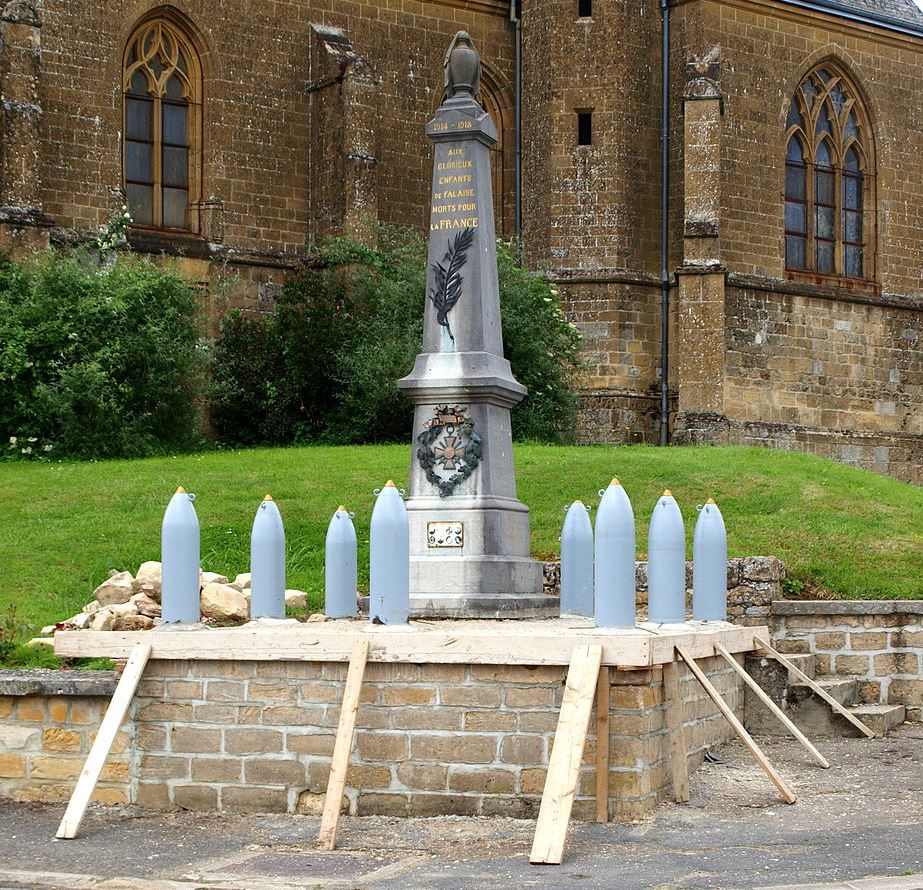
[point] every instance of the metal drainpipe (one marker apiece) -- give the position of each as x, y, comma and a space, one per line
664, 223
515, 12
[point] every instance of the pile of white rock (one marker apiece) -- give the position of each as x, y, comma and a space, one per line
132, 602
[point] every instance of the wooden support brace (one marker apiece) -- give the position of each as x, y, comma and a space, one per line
766, 700
343, 745
566, 754
602, 745
738, 727
115, 714
676, 717
818, 689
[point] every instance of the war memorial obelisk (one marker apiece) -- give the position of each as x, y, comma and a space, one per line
469, 533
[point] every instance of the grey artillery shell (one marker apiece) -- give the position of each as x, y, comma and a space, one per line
389, 567
615, 559
267, 562
340, 573
666, 568
710, 566
577, 562
179, 554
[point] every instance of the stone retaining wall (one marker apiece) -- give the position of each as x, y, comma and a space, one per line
878, 641
48, 720
431, 739
754, 582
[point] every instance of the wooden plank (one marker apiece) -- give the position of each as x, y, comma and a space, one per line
602, 745
115, 714
698, 641
818, 689
334, 640
566, 754
738, 727
676, 736
766, 700
343, 745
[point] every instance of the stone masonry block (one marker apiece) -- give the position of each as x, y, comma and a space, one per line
254, 800
522, 749
408, 695
425, 776
15, 737
490, 721
32, 708
378, 746
13, 766
193, 740
528, 696
905, 692
852, 665
217, 769
482, 781
252, 741
263, 691
195, 797
466, 748
829, 641
155, 766
867, 641
64, 740
432, 718
310, 743
363, 776
269, 771
474, 696
48, 767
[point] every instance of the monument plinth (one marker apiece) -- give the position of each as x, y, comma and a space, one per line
469, 533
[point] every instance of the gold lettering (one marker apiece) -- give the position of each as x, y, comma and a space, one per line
440, 128
456, 151
464, 125
445, 180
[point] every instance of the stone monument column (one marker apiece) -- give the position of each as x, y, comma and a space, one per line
469, 533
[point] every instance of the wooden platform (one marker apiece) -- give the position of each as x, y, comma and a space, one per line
526, 642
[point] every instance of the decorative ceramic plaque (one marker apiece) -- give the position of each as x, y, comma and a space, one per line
445, 534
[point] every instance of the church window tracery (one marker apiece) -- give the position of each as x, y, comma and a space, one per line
829, 179
162, 86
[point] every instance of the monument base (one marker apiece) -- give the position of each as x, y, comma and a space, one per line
479, 605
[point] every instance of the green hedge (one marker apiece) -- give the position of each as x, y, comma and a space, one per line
96, 362
322, 367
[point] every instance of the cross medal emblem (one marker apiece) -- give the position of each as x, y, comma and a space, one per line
450, 448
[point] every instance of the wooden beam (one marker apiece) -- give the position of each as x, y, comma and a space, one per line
602, 745
115, 714
676, 736
343, 744
566, 755
818, 689
738, 727
766, 700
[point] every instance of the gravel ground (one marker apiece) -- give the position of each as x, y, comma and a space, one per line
862, 817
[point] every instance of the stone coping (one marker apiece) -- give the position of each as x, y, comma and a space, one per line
846, 607
51, 682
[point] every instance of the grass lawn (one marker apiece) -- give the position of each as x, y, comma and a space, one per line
65, 525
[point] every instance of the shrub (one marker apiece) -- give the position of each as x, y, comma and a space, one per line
96, 363
323, 365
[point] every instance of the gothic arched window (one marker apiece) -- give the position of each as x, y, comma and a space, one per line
829, 179
162, 88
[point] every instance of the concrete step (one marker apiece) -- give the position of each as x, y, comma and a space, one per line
879, 718
805, 663
841, 689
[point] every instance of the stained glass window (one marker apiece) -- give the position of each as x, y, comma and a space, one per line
829, 178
